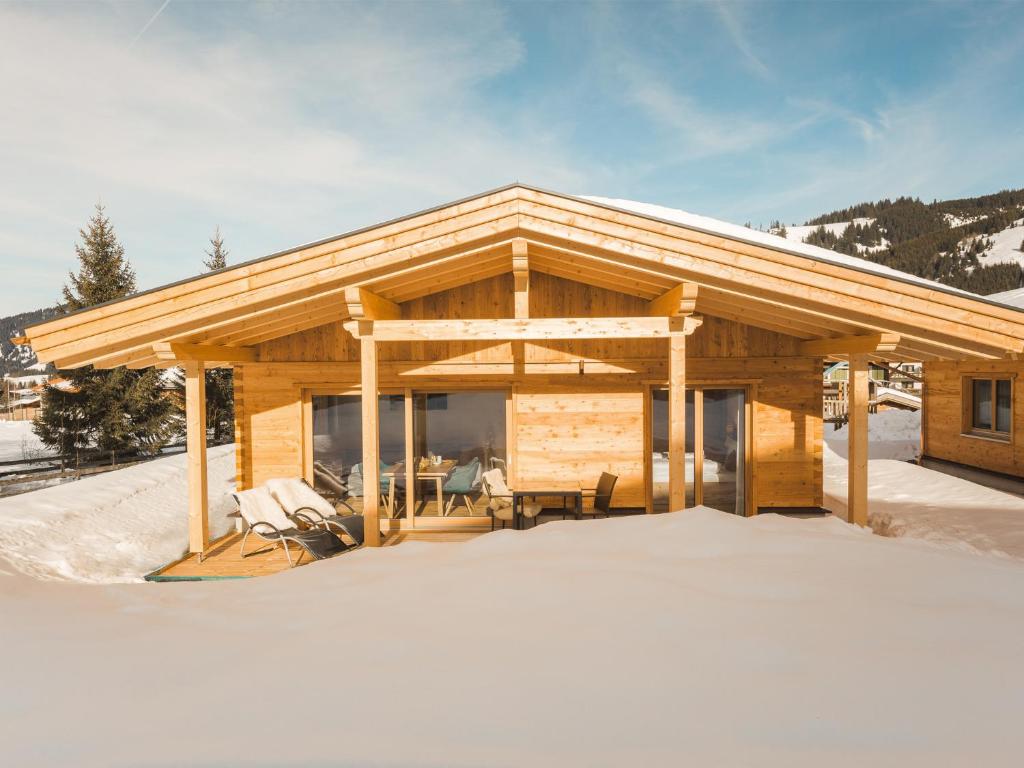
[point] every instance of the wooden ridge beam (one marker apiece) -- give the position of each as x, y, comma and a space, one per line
521, 277
535, 329
173, 351
848, 345
676, 302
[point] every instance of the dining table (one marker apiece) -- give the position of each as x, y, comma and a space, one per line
530, 490
425, 470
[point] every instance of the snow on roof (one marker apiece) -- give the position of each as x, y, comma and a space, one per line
738, 232
1014, 298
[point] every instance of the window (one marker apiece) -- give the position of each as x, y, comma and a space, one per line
990, 409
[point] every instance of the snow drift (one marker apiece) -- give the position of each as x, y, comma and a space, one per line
687, 638
117, 526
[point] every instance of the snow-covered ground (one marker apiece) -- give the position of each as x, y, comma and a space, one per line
1005, 246
116, 526
18, 441
892, 434
911, 501
689, 638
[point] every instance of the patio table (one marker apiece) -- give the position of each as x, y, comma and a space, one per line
564, 491
425, 471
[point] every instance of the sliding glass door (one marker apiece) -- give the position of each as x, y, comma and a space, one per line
338, 445
457, 436
715, 449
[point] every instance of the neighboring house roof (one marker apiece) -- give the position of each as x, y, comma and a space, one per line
646, 251
1014, 298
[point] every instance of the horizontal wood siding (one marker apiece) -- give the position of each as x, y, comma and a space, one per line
942, 420
573, 434
568, 425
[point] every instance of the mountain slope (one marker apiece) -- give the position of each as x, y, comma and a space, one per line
972, 243
14, 358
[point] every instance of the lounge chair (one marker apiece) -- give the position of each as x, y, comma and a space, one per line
463, 481
602, 495
297, 498
329, 480
499, 500
265, 517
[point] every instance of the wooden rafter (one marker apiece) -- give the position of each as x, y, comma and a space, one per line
869, 344
677, 302
178, 352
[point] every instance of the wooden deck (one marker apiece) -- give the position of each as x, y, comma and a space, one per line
223, 560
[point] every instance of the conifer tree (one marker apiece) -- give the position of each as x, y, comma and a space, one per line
220, 387
108, 411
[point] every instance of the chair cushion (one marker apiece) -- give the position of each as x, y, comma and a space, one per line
259, 506
496, 481
293, 494
463, 478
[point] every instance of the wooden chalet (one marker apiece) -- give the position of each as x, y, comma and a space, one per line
551, 336
973, 410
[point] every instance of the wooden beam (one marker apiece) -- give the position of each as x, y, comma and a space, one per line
195, 424
677, 422
371, 439
521, 276
19, 341
846, 345
534, 329
179, 352
857, 453
366, 305
678, 301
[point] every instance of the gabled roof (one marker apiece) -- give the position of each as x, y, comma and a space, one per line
741, 275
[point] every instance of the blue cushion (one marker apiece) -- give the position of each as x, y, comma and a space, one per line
463, 478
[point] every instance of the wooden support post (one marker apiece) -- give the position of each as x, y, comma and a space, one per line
857, 479
195, 423
677, 422
371, 436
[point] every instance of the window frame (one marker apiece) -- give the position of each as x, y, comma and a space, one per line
968, 427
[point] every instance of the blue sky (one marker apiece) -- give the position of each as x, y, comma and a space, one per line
284, 124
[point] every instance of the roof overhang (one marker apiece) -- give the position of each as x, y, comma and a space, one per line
747, 280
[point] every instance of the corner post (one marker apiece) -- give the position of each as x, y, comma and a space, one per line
371, 434
195, 423
677, 422
857, 458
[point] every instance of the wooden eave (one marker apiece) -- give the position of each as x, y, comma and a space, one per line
568, 237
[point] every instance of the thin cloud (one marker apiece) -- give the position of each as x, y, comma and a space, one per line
739, 38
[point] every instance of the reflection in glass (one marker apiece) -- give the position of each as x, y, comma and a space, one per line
338, 443
659, 449
982, 400
465, 428
1003, 405
723, 468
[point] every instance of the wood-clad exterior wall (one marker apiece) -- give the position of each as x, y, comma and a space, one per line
562, 424
944, 408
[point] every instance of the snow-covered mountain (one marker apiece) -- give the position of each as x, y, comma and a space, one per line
12, 356
976, 243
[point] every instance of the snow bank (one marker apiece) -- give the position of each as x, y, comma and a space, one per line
892, 434
688, 638
908, 500
113, 527
18, 441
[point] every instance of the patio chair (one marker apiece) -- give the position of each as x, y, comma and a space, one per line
499, 499
602, 495
332, 482
355, 483
463, 481
297, 498
265, 517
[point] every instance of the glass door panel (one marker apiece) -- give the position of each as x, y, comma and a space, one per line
659, 449
457, 436
715, 449
724, 439
338, 446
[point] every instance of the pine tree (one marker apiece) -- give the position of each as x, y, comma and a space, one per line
116, 411
218, 257
220, 387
